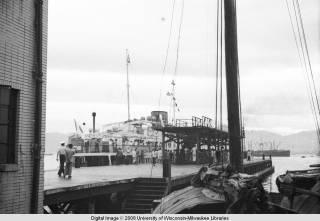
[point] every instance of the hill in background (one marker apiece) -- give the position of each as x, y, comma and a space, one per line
297, 143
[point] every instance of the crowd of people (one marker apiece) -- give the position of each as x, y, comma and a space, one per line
135, 156
182, 156
201, 156
139, 156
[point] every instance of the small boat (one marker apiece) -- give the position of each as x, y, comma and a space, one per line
300, 190
304, 179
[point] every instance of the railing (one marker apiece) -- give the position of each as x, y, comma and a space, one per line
194, 122
183, 123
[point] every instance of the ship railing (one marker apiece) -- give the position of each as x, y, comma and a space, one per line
195, 122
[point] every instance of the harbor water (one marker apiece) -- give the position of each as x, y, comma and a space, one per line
281, 164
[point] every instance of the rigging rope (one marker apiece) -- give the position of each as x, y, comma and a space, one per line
207, 36
309, 62
310, 67
307, 53
177, 52
303, 48
305, 61
179, 40
221, 47
217, 64
219, 71
314, 97
303, 64
239, 97
167, 52
221, 80
175, 105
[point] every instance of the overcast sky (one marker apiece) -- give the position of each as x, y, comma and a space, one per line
87, 64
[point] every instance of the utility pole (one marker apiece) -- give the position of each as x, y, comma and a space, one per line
232, 77
128, 94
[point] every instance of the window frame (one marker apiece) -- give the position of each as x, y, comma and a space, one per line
10, 163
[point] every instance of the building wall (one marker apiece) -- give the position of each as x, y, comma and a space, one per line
17, 63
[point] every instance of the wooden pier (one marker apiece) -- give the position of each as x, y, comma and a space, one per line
106, 189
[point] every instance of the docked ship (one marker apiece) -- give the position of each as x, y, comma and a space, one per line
124, 137
272, 153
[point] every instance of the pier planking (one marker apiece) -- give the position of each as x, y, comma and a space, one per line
90, 181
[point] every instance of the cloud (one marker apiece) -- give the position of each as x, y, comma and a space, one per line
96, 41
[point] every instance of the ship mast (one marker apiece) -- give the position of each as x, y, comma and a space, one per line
128, 93
232, 78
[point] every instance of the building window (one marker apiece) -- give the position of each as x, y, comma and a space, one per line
8, 115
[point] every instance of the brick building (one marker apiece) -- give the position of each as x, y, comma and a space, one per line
23, 51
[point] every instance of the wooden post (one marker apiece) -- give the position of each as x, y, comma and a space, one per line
198, 149
163, 146
177, 160
232, 69
166, 168
198, 142
91, 206
178, 143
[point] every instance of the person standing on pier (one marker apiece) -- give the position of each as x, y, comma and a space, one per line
61, 156
134, 156
159, 155
171, 156
194, 154
141, 156
69, 155
154, 157
218, 156
249, 155
138, 153
214, 156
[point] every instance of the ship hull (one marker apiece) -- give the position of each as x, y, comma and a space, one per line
273, 153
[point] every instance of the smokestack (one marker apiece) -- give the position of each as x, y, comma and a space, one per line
94, 122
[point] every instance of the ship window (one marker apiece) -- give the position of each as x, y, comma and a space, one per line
8, 112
